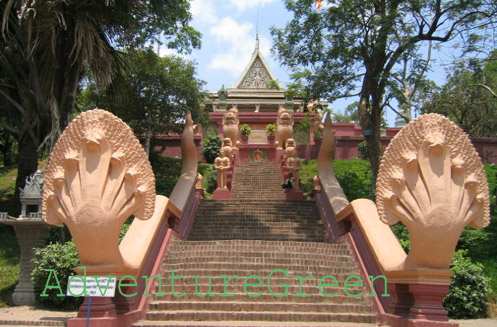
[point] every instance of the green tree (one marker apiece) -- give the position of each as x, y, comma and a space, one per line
354, 44
212, 145
469, 97
152, 95
350, 114
46, 46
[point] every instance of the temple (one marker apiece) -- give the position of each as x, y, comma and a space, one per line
257, 97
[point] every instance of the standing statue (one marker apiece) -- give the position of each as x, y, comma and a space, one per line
291, 161
227, 147
284, 127
230, 126
222, 164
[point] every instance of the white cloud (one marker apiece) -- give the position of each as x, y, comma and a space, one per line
238, 42
203, 11
243, 5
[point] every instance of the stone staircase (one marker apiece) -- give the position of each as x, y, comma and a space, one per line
257, 180
233, 241
257, 220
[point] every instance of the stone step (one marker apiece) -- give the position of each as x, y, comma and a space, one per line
260, 245
289, 261
204, 315
219, 269
340, 255
149, 323
258, 306
235, 288
241, 296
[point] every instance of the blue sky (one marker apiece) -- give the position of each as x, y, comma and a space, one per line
228, 38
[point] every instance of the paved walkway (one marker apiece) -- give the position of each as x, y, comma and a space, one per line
26, 315
11, 315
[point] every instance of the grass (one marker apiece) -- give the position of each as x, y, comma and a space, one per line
9, 249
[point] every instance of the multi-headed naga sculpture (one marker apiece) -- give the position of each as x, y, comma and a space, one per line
432, 180
98, 176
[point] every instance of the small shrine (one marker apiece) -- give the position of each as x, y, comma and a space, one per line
31, 232
31, 196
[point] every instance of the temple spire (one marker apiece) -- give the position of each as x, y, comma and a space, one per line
257, 33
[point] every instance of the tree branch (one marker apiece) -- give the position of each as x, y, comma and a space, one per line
13, 102
485, 87
14, 131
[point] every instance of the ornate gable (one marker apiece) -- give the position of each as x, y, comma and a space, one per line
257, 74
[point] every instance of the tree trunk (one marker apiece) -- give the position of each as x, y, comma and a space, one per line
370, 120
27, 165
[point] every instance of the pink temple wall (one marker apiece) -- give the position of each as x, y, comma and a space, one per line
348, 138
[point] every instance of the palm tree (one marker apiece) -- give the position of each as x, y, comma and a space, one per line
47, 45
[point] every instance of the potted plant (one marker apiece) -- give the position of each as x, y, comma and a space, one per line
244, 132
270, 131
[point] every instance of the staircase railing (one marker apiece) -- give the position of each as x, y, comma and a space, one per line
410, 287
97, 165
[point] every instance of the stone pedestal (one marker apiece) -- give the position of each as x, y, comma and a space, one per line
294, 194
222, 194
31, 233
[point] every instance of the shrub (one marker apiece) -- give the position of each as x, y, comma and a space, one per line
211, 181
211, 145
62, 258
402, 233
362, 148
468, 288
354, 178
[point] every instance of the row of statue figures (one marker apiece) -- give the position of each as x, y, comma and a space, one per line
225, 162
284, 125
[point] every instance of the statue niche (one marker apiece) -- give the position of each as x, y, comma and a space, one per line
230, 126
284, 128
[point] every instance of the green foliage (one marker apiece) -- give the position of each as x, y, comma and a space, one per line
62, 259
317, 136
350, 114
167, 171
304, 126
245, 129
402, 233
353, 176
9, 263
273, 84
46, 47
469, 97
211, 181
211, 145
491, 172
358, 45
362, 148
468, 288
271, 129
154, 92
